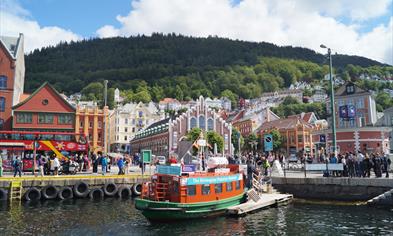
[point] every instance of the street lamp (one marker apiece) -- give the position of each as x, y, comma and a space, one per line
332, 107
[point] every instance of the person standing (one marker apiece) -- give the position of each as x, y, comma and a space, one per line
1, 167
94, 159
56, 165
120, 164
17, 166
40, 163
81, 162
104, 164
386, 165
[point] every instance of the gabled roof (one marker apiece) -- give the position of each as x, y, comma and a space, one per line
342, 91
11, 44
288, 123
46, 84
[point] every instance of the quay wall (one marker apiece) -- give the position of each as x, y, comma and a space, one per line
336, 189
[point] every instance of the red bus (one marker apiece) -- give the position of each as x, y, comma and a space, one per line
21, 143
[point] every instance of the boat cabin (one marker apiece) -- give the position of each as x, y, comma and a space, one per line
171, 184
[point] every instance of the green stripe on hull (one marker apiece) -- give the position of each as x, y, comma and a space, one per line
166, 211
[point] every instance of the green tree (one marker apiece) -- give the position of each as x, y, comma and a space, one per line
231, 96
193, 134
93, 91
214, 138
235, 139
383, 101
142, 96
251, 142
277, 139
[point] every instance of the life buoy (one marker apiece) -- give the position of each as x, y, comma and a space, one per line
137, 189
110, 189
3, 195
66, 193
124, 192
49, 192
33, 194
81, 189
96, 193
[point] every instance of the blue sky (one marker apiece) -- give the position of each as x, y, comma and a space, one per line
354, 27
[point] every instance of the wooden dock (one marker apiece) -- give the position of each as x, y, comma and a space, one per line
265, 200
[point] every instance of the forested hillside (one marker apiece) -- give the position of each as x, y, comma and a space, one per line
160, 66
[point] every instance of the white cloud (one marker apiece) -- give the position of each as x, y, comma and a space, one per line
14, 20
306, 23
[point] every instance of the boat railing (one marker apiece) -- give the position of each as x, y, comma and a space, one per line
256, 182
160, 191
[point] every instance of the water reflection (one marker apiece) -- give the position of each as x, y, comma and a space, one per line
118, 217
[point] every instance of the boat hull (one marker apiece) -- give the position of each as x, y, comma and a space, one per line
170, 211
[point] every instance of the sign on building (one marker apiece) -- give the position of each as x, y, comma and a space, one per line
268, 142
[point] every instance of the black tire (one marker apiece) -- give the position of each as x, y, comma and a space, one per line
124, 192
137, 189
65, 193
3, 195
33, 194
110, 189
49, 192
96, 194
81, 189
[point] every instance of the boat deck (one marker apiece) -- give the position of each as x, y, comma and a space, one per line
265, 200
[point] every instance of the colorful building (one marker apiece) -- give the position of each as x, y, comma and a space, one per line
92, 121
12, 77
295, 132
165, 136
248, 124
44, 110
356, 122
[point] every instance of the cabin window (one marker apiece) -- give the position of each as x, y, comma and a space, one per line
238, 185
229, 186
191, 190
206, 189
218, 188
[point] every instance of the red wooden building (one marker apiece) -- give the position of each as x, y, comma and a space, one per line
44, 110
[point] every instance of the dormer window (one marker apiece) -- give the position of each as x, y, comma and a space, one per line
350, 89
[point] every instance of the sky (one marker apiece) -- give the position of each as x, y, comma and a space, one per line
353, 27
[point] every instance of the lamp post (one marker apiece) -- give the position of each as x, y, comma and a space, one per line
105, 101
332, 106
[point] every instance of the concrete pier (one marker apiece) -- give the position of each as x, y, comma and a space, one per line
333, 188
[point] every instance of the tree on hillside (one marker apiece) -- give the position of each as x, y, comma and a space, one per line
93, 91
231, 96
383, 101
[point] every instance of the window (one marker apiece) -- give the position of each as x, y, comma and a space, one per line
210, 125
64, 119
24, 118
176, 187
133, 121
126, 129
81, 124
218, 188
2, 104
300, 138
140, 114
350, 89
45, 118
125, 138
229, 186
202, 122
360, 103
391, 121
193, 122
191, 190
126, 121
238, 185
133, 129
206, 189
3, 82
1, 123
99, 124
90, 124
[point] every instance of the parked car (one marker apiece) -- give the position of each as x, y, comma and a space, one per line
161, 160
293, 158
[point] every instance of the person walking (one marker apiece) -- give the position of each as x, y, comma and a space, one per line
1, 167
367, 166
40, 163
104, 164
386, 165
17, 166
94, 159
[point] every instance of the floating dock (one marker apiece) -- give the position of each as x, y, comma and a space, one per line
258, 202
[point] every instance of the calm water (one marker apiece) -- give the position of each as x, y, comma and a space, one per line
119, 217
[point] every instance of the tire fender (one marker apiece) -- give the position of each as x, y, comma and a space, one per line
96, 193
81, 189
49, 192
66, 193
137, 189
110, 189
124, 192
33, 194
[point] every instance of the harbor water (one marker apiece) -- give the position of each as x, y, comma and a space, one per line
119, 217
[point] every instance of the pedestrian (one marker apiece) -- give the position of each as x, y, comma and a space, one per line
386, 165
17, 166
367, 165
361, 163
56, 166
104, 164
81, 162
126, 164
250, 171
351, 166
41, 164
120, 164
95, 162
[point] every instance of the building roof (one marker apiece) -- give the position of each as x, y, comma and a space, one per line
155, 128
342, 91
287, 123
46, 84
169, 100
12, 44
